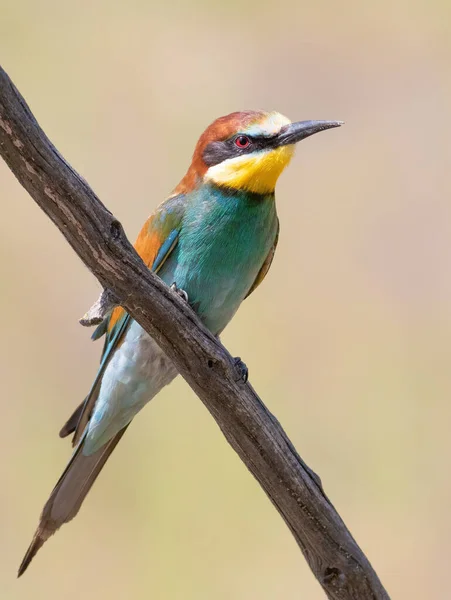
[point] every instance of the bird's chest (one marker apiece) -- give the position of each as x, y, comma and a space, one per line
221, 249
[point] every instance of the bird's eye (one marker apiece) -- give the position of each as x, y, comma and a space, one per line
242, 141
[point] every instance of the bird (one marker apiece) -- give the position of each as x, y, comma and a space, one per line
213, 239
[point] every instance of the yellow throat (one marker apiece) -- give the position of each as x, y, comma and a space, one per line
257, 172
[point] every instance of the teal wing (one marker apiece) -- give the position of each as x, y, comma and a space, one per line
157, 239
265, 267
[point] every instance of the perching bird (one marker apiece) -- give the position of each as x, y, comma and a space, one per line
214, 238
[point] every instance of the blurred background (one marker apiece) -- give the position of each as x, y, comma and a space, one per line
347, 341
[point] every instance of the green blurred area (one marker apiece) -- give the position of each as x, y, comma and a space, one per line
347, 341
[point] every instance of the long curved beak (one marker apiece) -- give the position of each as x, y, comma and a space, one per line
295, 132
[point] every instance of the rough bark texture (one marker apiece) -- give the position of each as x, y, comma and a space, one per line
97, 237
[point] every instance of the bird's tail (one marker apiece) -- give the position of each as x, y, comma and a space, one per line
69, 493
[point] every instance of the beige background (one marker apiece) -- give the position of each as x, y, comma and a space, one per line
348, 340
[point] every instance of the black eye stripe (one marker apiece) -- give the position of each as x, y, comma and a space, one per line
217, 152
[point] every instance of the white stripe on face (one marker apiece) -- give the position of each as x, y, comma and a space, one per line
269, 126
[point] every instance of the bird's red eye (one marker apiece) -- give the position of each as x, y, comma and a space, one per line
242, 141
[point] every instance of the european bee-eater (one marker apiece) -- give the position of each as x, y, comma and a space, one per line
214, 238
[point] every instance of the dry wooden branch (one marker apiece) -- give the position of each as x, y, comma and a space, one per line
101, 308
98, 238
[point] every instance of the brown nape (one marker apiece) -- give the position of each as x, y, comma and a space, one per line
219, 130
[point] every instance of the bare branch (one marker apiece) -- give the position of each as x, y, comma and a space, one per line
100, 309
97, 237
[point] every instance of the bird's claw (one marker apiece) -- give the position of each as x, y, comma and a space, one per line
242, 370
183, 295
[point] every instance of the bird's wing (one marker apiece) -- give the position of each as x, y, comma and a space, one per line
265, 267
157, 239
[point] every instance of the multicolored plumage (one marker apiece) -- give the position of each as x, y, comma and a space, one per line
215, 238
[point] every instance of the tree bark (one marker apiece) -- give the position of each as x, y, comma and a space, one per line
97, 237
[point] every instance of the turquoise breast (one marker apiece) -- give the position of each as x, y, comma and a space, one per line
224, 240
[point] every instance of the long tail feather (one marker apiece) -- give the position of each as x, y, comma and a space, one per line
68, 494
71, 424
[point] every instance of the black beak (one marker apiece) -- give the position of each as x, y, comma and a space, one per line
295, 132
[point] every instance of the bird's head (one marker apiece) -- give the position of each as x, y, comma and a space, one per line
247, 151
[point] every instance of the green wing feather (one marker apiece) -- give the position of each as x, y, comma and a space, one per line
157, 240
265, 267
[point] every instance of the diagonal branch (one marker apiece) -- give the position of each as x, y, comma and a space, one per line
98, 238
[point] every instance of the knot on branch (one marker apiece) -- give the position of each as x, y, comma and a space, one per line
334, 577
116, 230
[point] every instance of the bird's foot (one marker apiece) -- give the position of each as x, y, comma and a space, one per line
183, 295
241, 369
